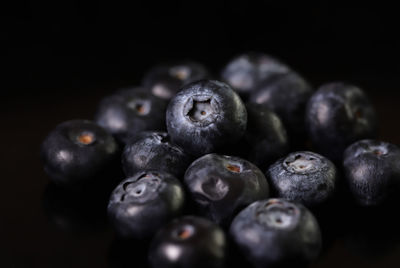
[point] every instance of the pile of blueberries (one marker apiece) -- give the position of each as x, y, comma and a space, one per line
235, 163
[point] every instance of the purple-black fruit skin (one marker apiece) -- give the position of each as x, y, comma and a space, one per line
220, 191
205, 116
166, 80
69, 162
244, 72
372, 171
276, 233
154, 151
143, 203
339, 114
130, 111
265, 138
206, 245
303, 177
287, 95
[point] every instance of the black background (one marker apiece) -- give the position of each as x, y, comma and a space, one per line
59, 58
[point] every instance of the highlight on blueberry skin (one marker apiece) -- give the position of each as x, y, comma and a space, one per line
165, 80
78, 151
130, 111
244, 72
372, 171
287, 95
276, 233
265, 138
339, 114
303, 177
154, 151
188, 242
205, 116
222, 185
143, 203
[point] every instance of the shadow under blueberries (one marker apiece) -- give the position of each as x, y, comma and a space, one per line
334, 215
128, 253
374, 231
79, 209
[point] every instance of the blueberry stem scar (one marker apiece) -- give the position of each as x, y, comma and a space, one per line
86, 138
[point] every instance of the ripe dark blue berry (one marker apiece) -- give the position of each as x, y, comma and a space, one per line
372, 171
78, 151
246, 71
165, 80
275, 232
130, 111
188, 242
141, 204
222, 185
265, 137
304, 177
205, 116
339, 114
287, 95
154, 151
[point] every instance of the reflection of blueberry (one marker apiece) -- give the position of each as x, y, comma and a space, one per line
276, 232
154, 150
373, 232
188, 242
286, 95
143, 203
77, 151
165, 80
75, 211
265, 136
205, 116
246, 71
304, 177
130, 111
120, 253
339, 114
372, 171
222, 185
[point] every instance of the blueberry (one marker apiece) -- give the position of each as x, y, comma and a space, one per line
188, 242
141, 204
154, 150
78, 151
339, 114
275, 232
244, 72
205, 116
130, 111
372, 171
304, 177
222, 185
286, 95
165, 80
265, 136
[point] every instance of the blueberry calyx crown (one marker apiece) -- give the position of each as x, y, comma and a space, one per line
180, 72
86, 138
184, 232
378, 150
142, 188
201, 110
277, 214
233, 167
142, 107
302, 163
82, 137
